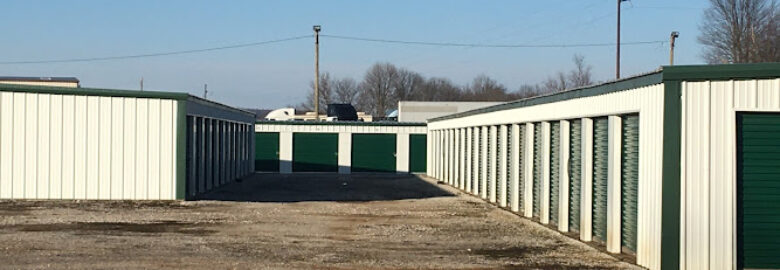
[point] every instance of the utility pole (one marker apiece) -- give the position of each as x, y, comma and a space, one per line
142, 83
672, 38
617, 60
205, 90
317, 29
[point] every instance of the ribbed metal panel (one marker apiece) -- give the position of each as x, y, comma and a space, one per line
490, 156
709, 165
575, 174
555, 140
630, 181
87, 147
600, 171
508, 158
537, 169
497, 167
474, 159
482, 158
521, 173
758, 190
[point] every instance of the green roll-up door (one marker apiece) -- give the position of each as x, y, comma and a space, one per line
629, 186
267, 151
497, 169
600, 170
555, 141
474, 159
315, 152
575, 173
537, 169
418, 153
508, 157
521, 175
373, 153
758, 190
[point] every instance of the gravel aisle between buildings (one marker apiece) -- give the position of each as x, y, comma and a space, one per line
303, 221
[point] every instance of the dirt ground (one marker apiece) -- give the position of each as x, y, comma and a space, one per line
304, 221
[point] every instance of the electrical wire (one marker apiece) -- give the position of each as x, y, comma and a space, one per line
405, 42
479, 45
91, 59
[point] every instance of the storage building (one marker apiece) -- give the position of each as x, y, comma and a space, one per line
343, 147
677, 168
82, 143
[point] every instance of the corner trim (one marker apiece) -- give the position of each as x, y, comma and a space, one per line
670, 183
181, 150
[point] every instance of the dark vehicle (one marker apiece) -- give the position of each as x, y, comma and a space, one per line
342, 112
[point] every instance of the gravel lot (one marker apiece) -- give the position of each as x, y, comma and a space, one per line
304, 221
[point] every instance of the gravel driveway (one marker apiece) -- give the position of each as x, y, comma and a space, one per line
303, 221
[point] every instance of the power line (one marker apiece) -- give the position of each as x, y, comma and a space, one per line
404, 42
480, 45
91, 59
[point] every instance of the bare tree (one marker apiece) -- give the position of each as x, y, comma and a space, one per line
344, 90
378, 89
580, 76
439, 89
407, 85
741, 31
527, 90
325, 94
484, 88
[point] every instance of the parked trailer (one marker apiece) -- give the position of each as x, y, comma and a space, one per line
677, 167
99, 144
343, 147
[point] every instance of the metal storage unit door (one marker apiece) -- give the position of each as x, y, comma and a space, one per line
758, 190
508, 157
629, 188
267, 151
600, 170
475, 155
490, 157
315, 152
575, 174
373, 153
521, 177
555, 139
497, 171
418, 151
537, 169
480, 166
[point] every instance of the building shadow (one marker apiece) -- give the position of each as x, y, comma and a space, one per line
303, 187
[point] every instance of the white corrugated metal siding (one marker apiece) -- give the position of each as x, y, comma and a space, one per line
708, 176
87, 147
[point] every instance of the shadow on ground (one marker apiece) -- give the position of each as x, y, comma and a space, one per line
302, 187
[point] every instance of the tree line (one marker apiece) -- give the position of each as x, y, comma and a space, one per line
384, 84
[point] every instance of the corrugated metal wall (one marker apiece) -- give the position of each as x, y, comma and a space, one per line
647, 101
87, 147
708, 238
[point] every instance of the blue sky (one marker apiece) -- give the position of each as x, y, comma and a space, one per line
276, 75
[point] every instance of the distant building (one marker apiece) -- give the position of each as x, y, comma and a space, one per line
259, 113
421, 111
71, 82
